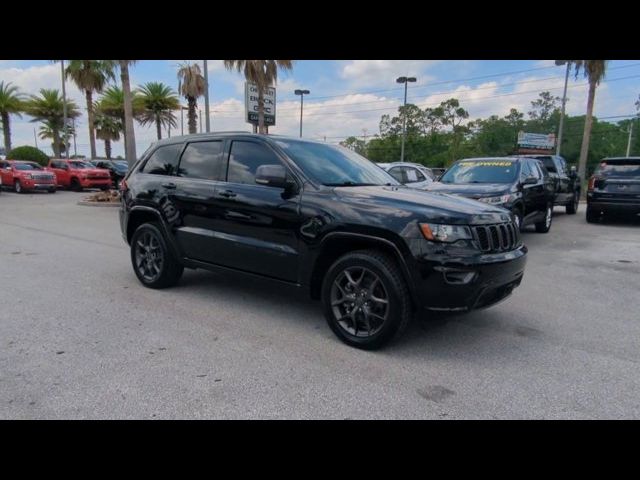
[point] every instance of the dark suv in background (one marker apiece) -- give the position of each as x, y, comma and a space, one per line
519, 184
566, 182
318, 217
614, 188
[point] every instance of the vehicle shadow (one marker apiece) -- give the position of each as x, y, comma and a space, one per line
428, 334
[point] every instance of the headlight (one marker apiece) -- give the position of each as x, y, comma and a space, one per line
28, 176
445, 233
497, 200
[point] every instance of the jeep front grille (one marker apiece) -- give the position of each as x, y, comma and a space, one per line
496, 238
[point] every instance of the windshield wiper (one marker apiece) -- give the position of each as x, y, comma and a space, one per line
349, 183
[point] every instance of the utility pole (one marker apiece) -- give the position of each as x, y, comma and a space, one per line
200, 115
75, 151
181, 120
206, 99
35, 137
64, 110
564, 102
630, 135
406, 81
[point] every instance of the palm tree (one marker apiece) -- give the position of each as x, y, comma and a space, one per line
48, 108
108, 129
90, 76
193, 86
262, 73
159, 102
11, 103
129, 134
594, 71
46, 132
112, 104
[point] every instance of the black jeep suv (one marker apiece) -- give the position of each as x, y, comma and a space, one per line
614, 188
320, 217
521, 185
566, 182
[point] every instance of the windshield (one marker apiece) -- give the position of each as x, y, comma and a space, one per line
481, 171
619, 168
121, 164
335, 165
27, 166
80, 165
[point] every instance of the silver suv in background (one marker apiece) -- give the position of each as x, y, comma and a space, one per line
413, 175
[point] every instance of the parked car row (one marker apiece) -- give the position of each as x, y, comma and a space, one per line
24, 176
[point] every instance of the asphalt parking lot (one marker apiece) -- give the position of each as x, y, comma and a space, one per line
81, 338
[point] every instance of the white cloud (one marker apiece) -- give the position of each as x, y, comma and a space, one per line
370, 73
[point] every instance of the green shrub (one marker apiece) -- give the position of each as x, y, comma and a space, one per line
29, 153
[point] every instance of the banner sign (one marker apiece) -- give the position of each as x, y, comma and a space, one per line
537, 141
251, 104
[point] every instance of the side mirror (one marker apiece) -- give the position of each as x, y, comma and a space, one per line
530, 181
573, 172
272, 176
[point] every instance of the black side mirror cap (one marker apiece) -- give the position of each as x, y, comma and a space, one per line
530, 181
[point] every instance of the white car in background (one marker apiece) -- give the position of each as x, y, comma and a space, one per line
413, 175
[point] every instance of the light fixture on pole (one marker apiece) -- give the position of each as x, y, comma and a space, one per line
302, 93
564, 101
406, 81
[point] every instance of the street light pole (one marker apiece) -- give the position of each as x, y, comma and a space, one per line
564, 102
630, 134
302, 93
206, 99
406, 81
64, 110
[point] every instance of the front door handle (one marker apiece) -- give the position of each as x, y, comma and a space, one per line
227, 194
169, 185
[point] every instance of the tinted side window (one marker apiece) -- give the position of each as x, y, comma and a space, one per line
244, 160
202, 160
164, 161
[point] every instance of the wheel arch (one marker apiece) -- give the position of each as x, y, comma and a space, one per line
335, 245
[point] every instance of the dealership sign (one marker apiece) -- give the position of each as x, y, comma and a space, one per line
251, 104
537, 141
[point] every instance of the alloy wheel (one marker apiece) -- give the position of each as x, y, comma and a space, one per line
359, 301
149, 257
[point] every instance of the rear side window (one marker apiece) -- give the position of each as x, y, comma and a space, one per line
398, 174
163, 161
202, 160
619, 168
244, 160
549, 164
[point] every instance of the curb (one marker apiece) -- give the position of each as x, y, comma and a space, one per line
99, 204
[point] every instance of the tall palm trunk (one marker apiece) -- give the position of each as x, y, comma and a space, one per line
6, 129
107, 148
261, 128
90, 121
158, 127
56, 143
192, 115
586, 136
129, 136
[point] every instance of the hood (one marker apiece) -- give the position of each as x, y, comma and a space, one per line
439, 207
470, 190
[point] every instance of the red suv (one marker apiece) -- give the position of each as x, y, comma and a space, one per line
24, 176
78, 175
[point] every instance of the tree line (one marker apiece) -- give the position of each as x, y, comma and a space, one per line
438, 136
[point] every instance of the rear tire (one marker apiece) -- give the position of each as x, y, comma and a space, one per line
572, 208
376, 307
545, 225
153, 262
592, 215
75, 185
52, 190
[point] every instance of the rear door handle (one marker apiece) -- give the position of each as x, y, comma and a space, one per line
170, 185
227, 194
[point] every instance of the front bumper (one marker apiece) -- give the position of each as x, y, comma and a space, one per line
37, 185
96, 183
463, 284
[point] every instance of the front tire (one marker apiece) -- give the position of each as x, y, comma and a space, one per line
153, 262
517, 212
545, 225
366, 299
53, 190
17, 186
75, 185
572, 208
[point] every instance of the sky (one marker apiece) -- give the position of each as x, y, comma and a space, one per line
347, 97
